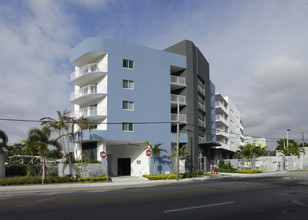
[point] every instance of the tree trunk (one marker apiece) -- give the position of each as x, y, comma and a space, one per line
154, 167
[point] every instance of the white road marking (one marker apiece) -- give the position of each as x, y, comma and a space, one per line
198, 207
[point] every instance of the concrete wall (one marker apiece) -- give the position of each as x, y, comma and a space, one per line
85, 170
2, 165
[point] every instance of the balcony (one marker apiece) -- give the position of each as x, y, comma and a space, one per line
97, 69
177, 98
182, 118
220, 107
87, 94
201, 90
221, 120
201, 140
202, 123
220, 132
177, 82
201, 106
92, 112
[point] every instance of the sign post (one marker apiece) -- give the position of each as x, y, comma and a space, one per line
148, 152
104, 156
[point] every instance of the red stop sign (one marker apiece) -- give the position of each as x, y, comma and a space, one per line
148, 152
103, 154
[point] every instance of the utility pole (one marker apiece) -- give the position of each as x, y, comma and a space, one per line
303, 136
288, 136
177, 140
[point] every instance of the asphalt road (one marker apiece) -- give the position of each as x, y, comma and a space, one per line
271, 197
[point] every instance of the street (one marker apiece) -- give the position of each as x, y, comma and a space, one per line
265, 197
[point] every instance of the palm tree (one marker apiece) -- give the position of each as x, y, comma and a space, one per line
30, 148
83, 124
250, 151
155, 151
61, 126
41, 139
182, 154
293, 149
3, 144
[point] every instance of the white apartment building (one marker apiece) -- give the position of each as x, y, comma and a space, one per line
229, 128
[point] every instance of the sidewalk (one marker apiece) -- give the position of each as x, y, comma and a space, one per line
130, 181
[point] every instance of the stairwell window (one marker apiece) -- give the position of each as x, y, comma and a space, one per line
128, 84
127, 105
129, 64
127, 126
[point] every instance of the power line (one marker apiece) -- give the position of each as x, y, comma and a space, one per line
268, 139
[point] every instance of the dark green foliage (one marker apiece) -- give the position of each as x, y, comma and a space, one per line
5, 181
15, 168
225, 167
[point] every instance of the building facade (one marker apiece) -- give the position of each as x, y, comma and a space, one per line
129, 94
229, 127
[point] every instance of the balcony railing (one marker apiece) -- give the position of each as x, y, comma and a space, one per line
220, 118
200, 106
201, 140
90, 89
201, 90
201, 123
221, 105
182, 117
178, 80
89, 111
92, 67
176, 98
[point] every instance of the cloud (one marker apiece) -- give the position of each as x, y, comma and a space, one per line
34, 80
277, 100
93, 4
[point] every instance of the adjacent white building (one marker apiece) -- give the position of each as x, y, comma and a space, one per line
229, 128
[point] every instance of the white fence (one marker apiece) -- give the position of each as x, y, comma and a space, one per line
270, 164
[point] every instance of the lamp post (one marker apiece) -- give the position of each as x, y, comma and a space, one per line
288, 136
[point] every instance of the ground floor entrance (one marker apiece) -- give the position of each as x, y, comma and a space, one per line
124, 166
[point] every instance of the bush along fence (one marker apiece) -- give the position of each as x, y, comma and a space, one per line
266, 164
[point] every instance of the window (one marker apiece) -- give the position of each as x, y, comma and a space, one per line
128, 84
128, 64
127, 126
127, 105
93, 127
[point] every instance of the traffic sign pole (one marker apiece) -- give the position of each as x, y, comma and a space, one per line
103, 155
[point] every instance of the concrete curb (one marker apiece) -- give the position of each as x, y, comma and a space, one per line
131, 182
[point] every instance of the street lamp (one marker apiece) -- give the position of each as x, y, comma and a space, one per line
288, 136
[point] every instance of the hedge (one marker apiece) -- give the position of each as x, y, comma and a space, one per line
94, 179
162, 176
249, 171
25, 180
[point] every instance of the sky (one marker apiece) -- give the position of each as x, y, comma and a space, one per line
257, 51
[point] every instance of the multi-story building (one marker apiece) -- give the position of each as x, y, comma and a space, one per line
229, 128
256, 141
130, 94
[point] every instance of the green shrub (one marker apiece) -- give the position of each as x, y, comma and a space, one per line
94, 179
249, 171
199, 173
162, 176
227, 170
24, 180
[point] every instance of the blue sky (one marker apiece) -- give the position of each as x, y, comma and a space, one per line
257, 50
